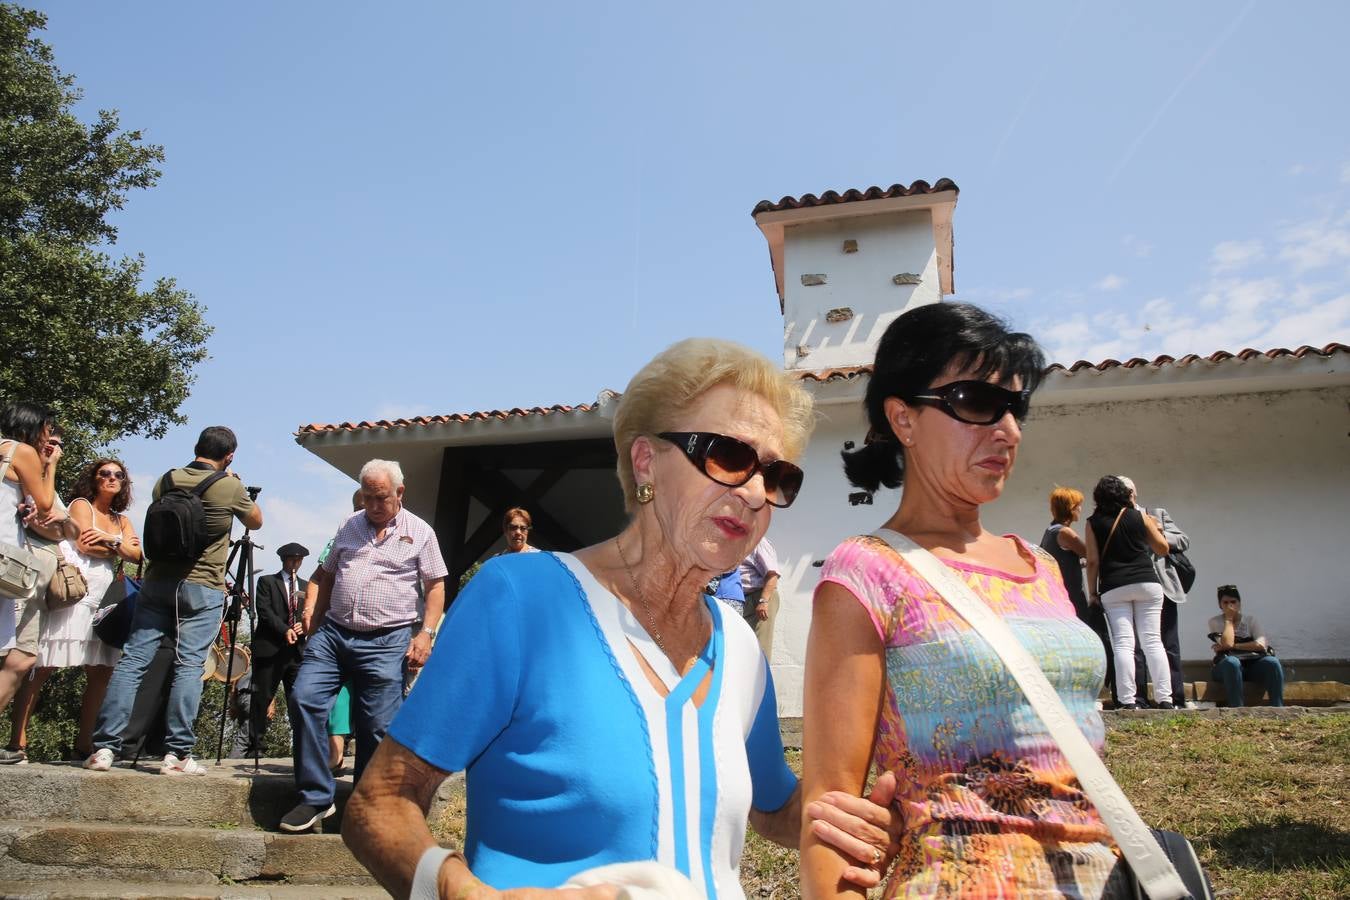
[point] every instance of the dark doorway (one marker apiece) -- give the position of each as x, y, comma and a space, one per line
569, 487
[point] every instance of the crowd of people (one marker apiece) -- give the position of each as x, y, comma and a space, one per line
613, 707
1130, 593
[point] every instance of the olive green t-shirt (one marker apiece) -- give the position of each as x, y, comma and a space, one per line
223, 501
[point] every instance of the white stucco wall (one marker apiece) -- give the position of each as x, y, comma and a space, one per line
888, 245
1260, 483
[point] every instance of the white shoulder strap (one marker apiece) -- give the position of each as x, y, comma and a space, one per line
1151, 866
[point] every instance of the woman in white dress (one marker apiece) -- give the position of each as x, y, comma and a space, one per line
107, 537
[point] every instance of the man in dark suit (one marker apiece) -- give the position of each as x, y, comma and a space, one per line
279, 639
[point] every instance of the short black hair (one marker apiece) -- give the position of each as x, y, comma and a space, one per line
216, 442
1111, 495
1229, 590
25, 421
916, 348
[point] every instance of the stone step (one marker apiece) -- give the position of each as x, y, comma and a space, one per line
229, 795
130, 890
81, 851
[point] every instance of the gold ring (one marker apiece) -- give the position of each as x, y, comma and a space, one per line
876, 856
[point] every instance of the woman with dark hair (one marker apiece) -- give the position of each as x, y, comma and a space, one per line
1121, 541
897, 678
107, 538
28, 458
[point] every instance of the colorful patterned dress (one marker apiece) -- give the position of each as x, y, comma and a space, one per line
990, 807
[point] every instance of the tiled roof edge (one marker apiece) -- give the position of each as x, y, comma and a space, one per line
841, 373
853, 195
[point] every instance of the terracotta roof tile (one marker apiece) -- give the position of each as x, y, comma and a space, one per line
854, 195
1215, 357
458, 418
843, 373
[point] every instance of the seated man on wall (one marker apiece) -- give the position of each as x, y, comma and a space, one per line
1241, 651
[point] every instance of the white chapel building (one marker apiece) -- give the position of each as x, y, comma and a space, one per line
1247, 450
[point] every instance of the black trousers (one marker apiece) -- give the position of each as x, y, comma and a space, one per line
267, 673
1095, 617
1172, 644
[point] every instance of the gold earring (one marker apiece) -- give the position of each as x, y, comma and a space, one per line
645, 492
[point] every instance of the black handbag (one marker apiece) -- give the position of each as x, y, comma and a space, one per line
112, 622
1182, 854
1185, 568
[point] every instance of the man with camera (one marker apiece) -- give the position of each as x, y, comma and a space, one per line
186, 540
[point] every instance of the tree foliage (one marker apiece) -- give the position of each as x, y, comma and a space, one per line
79, 331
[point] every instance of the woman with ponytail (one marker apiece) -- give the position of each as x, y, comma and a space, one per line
895, 677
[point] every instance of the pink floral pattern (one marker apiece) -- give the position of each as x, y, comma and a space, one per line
990, 807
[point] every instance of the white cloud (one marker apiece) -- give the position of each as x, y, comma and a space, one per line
1137, 246
1298, 169
287, 519
1315, 245
1229, 255
1317, 325
1110, 283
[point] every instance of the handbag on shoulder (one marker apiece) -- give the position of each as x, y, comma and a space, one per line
20, 570
1185, 568
1162, 864
67, 587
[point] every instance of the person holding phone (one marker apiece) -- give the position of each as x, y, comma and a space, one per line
107, 539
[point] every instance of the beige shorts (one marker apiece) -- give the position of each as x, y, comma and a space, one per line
29, 628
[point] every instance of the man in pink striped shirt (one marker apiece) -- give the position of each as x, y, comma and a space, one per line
362, 632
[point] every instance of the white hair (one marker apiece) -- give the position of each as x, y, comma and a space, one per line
383, 468
1128, 482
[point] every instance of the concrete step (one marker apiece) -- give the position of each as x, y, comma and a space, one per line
80, 851
1296, 693
230, 795
129, 890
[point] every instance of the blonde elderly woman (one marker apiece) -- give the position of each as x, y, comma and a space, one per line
606, 709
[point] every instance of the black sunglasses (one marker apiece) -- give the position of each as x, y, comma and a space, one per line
732, 463
977, 402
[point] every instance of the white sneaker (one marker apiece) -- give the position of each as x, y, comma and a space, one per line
172, 765
100, 760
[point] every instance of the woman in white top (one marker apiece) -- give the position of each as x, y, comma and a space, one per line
28, 458
101, 497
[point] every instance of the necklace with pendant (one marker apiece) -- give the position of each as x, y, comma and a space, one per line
642, 598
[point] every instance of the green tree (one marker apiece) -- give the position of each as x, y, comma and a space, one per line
79, 331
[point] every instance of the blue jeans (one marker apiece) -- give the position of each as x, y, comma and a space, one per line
373, 665
193, 612
1233, 672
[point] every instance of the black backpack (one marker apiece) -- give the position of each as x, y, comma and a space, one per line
175, 524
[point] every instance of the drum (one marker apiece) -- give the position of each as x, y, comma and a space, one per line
218, 663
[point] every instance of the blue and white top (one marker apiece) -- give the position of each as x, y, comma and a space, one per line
573, 758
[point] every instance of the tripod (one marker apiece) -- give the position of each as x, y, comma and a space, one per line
241, 596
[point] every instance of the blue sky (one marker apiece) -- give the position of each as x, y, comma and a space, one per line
424, 207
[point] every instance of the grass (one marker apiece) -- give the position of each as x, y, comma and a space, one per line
1265, 801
